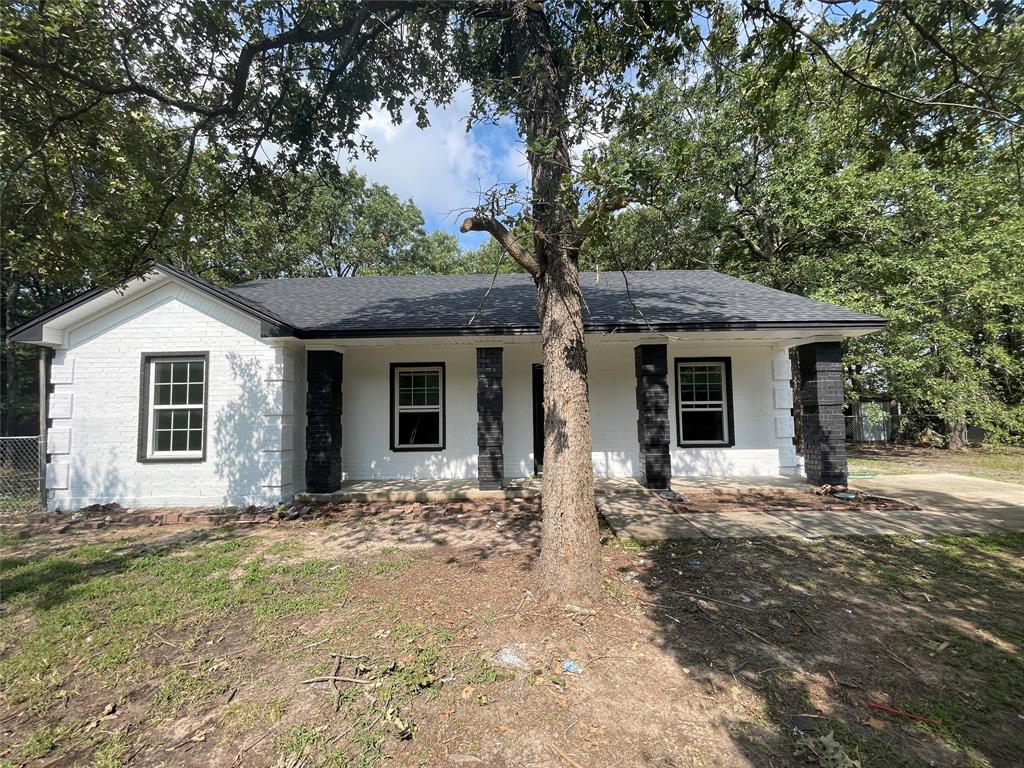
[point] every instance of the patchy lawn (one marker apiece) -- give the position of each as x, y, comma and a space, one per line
205, 646
993, 462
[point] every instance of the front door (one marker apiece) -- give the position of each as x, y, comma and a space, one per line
538, 419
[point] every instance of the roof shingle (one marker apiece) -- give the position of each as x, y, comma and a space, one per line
422, 304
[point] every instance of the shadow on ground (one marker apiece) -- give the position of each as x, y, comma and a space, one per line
817, 631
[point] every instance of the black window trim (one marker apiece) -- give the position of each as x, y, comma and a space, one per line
444, 410
147, 359
730, 417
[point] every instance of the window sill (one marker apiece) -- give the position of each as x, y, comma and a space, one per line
705, 445
413, 448
172, 459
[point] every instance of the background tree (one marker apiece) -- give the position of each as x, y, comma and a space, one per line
303, 74
797, 185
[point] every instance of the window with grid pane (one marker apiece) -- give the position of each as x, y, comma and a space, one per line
177, 394
418, 395
701, 389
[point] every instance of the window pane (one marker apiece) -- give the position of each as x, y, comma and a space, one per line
195, 419
179, 394
195, 440
195, 394
162, 441
163, 372
180, 419
702, 426
163, 419
179, 441
405, 397
162, 394
419, 428
195, 371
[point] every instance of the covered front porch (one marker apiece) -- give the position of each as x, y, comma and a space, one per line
482, 402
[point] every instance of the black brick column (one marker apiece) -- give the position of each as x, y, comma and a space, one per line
652, 415
323, 421
821, 398
490, 432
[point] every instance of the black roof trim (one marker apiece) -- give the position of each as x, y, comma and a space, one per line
32, 330
533, 330
271, 325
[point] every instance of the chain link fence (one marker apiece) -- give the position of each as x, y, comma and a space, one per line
19, 475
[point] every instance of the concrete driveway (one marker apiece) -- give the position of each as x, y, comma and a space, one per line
976, 500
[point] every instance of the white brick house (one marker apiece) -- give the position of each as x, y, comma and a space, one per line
173, 391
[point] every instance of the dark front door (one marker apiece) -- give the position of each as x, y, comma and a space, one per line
538, 419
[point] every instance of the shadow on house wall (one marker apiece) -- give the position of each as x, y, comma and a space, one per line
241, 435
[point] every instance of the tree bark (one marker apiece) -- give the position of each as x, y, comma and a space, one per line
569, 565
570, 557
956, 435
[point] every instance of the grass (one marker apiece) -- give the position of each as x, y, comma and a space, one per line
99, 607
142, 624
993, 462
101, 602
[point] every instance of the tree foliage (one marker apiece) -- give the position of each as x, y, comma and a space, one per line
797, 183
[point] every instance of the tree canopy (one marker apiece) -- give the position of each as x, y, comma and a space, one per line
800, 185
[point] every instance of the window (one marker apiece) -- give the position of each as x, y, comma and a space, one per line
417, 412
173, 419
703, 402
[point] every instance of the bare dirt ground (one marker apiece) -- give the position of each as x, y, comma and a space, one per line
185, 645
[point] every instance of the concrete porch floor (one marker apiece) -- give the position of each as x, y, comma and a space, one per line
405, 491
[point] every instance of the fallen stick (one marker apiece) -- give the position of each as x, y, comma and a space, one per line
713, 600
334, 682
565, 757
332, 678
901, 713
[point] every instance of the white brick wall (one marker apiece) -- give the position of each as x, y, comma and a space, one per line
95, 407
256, 401
366, 403
761, 420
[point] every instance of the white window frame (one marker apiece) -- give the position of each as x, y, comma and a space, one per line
398, 409
152, 408
703, 406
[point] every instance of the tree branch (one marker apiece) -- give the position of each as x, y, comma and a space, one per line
596, 210
862, 81
522, 255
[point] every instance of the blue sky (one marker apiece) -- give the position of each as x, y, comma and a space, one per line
442, 168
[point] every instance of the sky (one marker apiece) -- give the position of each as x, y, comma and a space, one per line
443, 168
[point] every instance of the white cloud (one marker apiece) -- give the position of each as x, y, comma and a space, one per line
442, 168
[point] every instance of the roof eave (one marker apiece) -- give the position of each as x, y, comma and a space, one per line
31, 331
608, 328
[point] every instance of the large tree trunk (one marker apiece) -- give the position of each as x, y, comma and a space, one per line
956, 434
570, 558
569, 565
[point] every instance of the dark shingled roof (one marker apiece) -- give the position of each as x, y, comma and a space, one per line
445, 304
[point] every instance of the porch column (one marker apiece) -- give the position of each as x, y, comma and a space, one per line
652, 415
821, 397
323, 421
490, 434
